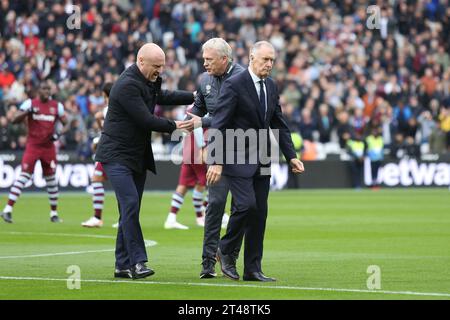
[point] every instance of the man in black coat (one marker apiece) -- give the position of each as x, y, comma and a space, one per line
249, 103
126, 153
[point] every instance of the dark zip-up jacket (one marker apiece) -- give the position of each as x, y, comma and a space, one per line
208, 92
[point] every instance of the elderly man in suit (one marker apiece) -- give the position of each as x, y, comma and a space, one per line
249, 101
125, 149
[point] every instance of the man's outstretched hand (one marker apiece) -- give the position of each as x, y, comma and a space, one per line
185, 125
195, 122
297, 166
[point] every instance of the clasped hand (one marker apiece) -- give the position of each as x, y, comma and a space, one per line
185, 125
191, 124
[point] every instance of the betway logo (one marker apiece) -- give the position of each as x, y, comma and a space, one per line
43, 117
410, 173
67, 175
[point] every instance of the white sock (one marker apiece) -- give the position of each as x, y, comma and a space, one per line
53, 213
172, 217
8, 208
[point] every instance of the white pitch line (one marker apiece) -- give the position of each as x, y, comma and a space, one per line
148, 243
55, 254
425, 294
79, 235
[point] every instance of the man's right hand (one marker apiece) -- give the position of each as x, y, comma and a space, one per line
297, 166
191, 124
197, 121
213, 174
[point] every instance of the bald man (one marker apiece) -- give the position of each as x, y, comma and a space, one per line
125, 149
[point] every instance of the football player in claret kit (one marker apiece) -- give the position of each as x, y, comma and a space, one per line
192, 175
41, 115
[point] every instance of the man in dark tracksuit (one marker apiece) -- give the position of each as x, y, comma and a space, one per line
217, 55
125, 149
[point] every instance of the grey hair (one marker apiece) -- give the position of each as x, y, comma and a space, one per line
221, 46
260, 44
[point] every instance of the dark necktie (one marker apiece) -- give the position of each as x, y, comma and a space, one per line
262, 98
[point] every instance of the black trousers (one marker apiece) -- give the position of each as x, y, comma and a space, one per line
374, 167
357, 170
247, 220
128, 187
217, 200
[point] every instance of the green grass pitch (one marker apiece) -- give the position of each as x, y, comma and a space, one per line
319, 244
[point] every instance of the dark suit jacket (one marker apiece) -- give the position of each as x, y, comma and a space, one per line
238, 108
126, 136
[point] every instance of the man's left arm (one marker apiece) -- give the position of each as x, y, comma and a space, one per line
61, 114
285, 141
226, 106
63, 119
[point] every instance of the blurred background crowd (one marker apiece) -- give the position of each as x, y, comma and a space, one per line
337, 76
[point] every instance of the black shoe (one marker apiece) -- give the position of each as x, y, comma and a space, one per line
125, 273
228, 265
140, 270
208, 269
257, 276
7, 217
55, 219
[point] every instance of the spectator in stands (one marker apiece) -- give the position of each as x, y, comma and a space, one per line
325, 123
412, 148
292, 94
73, 135
375, 153
356, 148
5, 137
16, 132
344, 129
426, 125
96, 100
370, 100
438, 140
358, 121
82, 100
307, 125
292, 119
397, 147
429, 82
444, 121
6, 77
402, 114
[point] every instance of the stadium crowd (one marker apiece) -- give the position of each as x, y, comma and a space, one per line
337, 75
